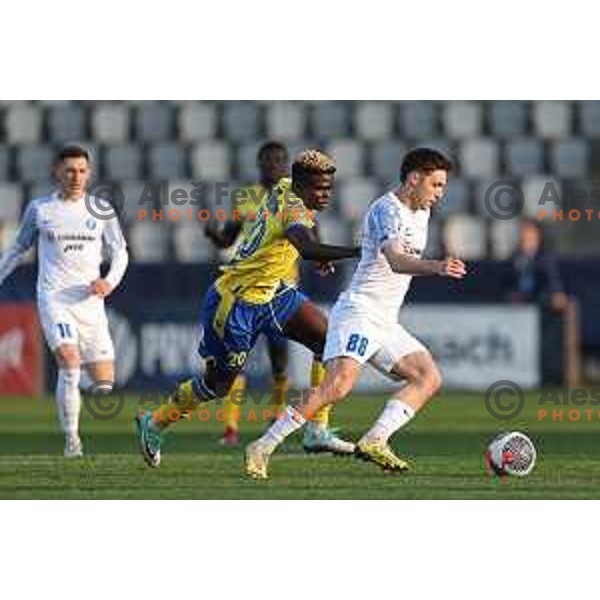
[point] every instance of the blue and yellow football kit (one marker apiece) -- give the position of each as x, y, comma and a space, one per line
254, 294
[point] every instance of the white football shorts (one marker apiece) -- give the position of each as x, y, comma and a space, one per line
353, 333
83, 324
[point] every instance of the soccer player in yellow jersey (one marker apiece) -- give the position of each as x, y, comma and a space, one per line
273, 164
249, 298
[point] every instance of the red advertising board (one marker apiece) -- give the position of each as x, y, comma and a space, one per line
21, 350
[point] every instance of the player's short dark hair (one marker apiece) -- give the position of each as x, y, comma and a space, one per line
271, 146
424, 160
72, 150
311, 162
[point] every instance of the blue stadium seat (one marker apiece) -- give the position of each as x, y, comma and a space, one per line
285, 120
507, 118
552, 119
349, 157
23, 123
66, 123
197, 121
524, 157
211, 161
34, 162
153, 122
418, 119
462, 119
110, 122
167, 161
569, 157
479, 158
241, 121
122, 162
330, 120
373, 120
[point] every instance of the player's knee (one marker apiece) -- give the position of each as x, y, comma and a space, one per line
434, 379
68, 357
340, 386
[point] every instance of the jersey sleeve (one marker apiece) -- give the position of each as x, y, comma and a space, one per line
384, 223
26, 237
114, 241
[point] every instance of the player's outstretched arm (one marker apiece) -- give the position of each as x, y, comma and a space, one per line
25, 239
309, 247
119, 260
400, 262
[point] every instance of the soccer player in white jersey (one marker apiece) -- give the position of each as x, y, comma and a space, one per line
363, 325
70, 291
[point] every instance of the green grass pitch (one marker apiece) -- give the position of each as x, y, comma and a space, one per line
445, 443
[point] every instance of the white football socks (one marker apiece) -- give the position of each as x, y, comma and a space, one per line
289, 421
68, 399
395, 415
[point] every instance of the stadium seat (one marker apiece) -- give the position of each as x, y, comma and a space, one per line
122, 162
385, 159
211, 161
23, 123
552, 119
167, 161
504, 236
537, 188
503, 197
5, 162
241, 121
110, 122
524, 157
334, 230
149, 242
349, 157
457, 198
418, 119
507, 118
285, 120
34, 162
11, 195
479, 158
435, 242
66, 123
197, 121
462, 119
190, 244
245, 163
569, 157
373, 120
465, 236
153, 122
329, 120
589, 116
354, 197
135, 198
39, 189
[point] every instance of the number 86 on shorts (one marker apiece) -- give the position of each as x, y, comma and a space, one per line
358, 344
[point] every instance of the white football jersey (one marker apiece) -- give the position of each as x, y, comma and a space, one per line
375, 289
70, 248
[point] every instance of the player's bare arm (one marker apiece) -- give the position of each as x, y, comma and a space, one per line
306, 241
400, 262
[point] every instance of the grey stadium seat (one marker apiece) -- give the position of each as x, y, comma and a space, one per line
462, 119
589, 115
122, 162
285, 120
524, 157
190, 244
385, 159
479, 157
349, 157
465, 236
354, 197
211, 161
504, 237
149, 242
457, 198
373, 120
166, 161
333, 230
507, 118
5, 162
23, 123
241, 120
418, 119
66, 123
153, 122
569, 157
11, 195
110, 122
330, 120
34, 163
197, 121
552, 119
246, 168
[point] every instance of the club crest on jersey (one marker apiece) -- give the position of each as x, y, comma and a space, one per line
91, 224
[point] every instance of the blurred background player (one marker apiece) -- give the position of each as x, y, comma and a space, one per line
535, 276
70, 291
364, 321
273, 164
249, 298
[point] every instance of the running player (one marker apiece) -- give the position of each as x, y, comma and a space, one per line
70, 291
363, 325
249, 298
273, 165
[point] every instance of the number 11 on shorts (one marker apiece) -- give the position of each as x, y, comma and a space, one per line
65, 330
357, 343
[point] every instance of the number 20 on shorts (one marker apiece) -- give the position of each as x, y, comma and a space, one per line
357, 343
